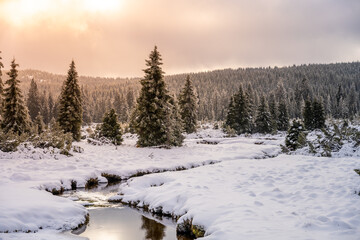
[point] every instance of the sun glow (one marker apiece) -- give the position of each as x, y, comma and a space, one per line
24, 12
101, 5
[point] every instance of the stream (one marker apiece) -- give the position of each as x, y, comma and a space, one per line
114, 221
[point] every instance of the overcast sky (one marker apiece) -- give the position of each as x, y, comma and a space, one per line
113, 37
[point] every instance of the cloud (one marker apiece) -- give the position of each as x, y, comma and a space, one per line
191, 35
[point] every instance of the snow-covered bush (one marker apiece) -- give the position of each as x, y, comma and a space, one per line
329, 140
296, 137
9, 141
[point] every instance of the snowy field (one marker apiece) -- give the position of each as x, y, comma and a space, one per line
236, 188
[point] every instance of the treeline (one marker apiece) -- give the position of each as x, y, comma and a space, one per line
158, 118
335, 85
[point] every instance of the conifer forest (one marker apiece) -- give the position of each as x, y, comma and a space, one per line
179, 120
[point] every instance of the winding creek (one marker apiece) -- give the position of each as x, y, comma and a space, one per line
114, 221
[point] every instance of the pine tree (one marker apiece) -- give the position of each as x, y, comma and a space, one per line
154, 108
188, 106
39, 124
121, 107
318, 115
33, 100
273, 109
51, 105
86, 108
110, 128
175, 137
263, 118
44, 108
239, 116
283, 117
70, 105
308, 116
296, 137
15, 116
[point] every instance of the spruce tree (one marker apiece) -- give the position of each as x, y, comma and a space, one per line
44, 108
15, 115
296, 137
308, 116
318, 114
283, 117
70, 104
33, 100
39, 124
154, 108
273, 109
188, 106
263, 118
121, 107
239, 113
110, 128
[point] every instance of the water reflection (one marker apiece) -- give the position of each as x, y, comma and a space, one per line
124, 224
154, 230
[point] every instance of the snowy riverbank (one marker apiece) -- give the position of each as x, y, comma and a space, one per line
35, 168
250, 192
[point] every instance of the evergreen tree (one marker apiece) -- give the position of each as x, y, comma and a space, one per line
121, 107
44, 108
15, 116
70, 105
110, 128
308, 116
283, 117
175, 137
263, 118
39, 124
296, 137
33, 100
188, 107
86, 109
273, 109
318, 115
51, 105
154, 109
239, 113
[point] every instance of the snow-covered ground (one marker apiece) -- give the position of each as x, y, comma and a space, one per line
24, 172
287, 197
251, 192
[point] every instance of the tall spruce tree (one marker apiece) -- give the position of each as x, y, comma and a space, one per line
318, 114
263, 118
188, 106
283, 116
239, 113
273, 109
33, 100
308, 115
70, 104
15, 115
154, 108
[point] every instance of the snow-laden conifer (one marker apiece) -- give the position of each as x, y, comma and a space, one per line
15, 114
70, 105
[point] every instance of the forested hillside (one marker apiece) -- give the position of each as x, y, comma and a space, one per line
336, 85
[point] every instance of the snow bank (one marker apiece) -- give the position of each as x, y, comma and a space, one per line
40, 168
287, 197
28, 210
